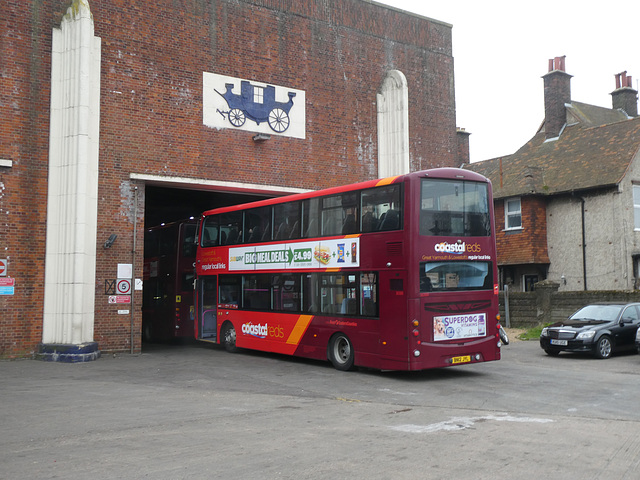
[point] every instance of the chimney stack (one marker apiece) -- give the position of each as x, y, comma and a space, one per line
557, 93
462, 142
624, 96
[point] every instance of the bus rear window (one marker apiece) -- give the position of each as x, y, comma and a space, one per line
454, 208
455, 275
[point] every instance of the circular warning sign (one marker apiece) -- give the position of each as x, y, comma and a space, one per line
123, 286
3, 267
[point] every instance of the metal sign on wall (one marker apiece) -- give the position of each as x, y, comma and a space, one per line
235, 103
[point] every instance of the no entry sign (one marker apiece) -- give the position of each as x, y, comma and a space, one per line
3, 267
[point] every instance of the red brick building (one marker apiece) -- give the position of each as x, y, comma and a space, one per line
139, 118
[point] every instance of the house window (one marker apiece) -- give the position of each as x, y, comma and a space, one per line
636, 207
513, 214
258, 95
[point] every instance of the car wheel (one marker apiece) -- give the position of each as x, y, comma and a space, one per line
552, 353
604, 347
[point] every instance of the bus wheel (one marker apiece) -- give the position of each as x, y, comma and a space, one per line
340, 352
229, 337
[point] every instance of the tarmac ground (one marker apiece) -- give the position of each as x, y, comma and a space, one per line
196, 411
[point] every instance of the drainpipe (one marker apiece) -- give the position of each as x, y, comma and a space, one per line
133, 263
584, 246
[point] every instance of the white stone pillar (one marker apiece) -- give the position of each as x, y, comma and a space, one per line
393, 126
72, 201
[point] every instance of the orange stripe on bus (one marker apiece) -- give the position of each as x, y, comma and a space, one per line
298, 330
386, 181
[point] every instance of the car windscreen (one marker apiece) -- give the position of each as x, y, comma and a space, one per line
597, 312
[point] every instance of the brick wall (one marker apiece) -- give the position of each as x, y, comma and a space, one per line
529, 244
153, 56
526, 311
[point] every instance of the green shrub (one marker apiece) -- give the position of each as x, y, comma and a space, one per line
532, 333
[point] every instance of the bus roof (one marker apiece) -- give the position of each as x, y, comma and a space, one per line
444, 172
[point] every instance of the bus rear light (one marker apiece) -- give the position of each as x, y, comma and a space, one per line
416, 353
498, 317
415, 323
416, 333
478, 357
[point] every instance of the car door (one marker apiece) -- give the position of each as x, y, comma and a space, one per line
629, 322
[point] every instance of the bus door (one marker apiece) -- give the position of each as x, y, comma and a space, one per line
393, 314
208, 308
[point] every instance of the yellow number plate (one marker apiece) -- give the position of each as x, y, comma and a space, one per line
465, 359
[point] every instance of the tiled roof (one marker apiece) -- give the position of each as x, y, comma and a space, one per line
582, 157
592, 116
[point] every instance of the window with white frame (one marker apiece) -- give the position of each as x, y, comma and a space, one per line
636, 207
258, 94
512, 214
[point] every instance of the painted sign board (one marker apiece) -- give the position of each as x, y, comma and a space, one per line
240, 104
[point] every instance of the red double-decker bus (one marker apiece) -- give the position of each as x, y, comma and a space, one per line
169, 272
398, 273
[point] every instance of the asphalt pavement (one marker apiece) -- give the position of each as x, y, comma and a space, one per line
196, 411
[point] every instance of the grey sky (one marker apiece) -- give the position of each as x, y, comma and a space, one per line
501, 50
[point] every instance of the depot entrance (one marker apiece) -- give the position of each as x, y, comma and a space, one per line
171, 217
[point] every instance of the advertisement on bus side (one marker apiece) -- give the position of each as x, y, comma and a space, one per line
334, 253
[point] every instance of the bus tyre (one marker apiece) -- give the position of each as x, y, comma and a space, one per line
340, 352
229, 337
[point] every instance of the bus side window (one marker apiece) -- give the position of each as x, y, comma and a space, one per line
231, 228
286, 292
188, 242
310, 293
229, 295
286, 220
310, 217
381, 209
369, 294
210, 232
256, 292
257, 223
391, 221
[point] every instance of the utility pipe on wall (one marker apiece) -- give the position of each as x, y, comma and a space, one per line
584, 245
133, 260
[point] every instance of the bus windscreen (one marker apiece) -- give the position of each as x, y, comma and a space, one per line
454, 208
455, 275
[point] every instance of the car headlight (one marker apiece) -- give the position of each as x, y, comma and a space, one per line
545, 332
586, 335
638, 335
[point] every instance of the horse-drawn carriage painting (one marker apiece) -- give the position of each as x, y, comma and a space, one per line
252, 106
258, 104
